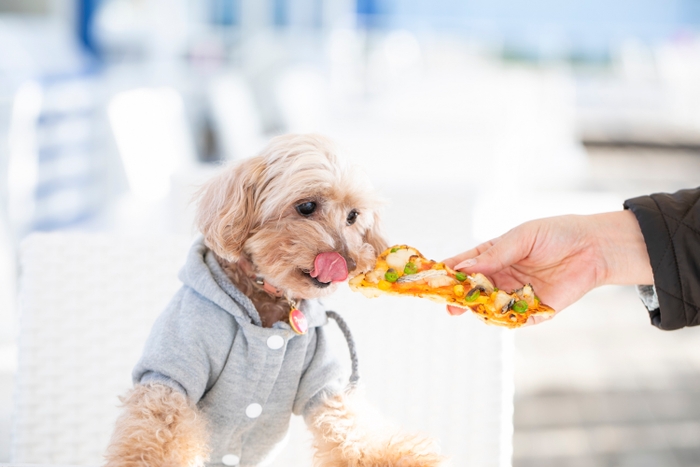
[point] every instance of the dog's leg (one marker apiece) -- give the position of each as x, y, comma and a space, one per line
158, 428
342, 439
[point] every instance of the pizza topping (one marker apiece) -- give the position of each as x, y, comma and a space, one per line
391, 275
329, 267
399, 258
440, 281
460, 276
458, 290
479, 280
432, 277
520, 306
376, 275
527, 294
502, 301
410, 268
474, 293
420, 263
422, 276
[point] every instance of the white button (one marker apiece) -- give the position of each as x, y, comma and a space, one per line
275, 342
230, 459
253, 410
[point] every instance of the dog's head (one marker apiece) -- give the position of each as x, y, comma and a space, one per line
303, 218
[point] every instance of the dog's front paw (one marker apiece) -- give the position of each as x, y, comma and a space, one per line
399, 451
409, 459
343, 440
389, 453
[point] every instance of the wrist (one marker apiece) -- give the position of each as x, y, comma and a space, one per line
622, 249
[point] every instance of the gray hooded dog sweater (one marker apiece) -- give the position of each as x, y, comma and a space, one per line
245, 379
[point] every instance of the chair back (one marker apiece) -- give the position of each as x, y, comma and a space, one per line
87, 304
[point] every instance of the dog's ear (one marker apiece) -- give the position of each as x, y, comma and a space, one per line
227, 209
375, 236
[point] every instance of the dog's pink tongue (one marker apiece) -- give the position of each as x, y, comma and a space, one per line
330, 267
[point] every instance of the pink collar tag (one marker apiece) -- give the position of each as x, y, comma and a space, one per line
298, 322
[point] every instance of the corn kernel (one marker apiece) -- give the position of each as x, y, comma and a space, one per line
459, 290
384, 285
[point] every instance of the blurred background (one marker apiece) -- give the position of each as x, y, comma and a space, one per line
469, 116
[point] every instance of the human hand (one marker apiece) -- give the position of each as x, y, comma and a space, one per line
562, 257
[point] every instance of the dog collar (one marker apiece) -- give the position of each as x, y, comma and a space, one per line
247, 267
297, 319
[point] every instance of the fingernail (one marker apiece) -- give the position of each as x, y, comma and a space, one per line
467, 263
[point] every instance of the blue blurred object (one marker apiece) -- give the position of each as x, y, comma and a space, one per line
690, 12
57, 175
368, 7
68, 188
225, 12
85, 17
539, 28
280, 12
372, 14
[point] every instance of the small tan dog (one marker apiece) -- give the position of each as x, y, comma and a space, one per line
242, 346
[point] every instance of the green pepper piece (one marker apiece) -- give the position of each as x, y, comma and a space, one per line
460, 276
496, 289
410, 268
391, 276
520, 306
395, 249
473, 295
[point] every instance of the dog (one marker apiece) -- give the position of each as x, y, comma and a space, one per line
242, 345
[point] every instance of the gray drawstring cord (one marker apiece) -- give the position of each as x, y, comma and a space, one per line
354, 374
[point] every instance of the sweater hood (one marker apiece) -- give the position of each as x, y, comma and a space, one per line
203, 274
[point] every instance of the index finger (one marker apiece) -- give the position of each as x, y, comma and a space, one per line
473, 253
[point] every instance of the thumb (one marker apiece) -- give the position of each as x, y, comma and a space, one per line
503, 253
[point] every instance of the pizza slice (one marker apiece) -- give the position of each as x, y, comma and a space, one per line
402, 270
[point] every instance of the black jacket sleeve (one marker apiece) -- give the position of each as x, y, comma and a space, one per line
670, 224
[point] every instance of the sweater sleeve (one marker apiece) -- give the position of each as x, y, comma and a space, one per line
670, 224
187, 347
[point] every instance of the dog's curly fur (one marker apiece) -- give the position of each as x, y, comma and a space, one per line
342, 438
247, 216
158, 428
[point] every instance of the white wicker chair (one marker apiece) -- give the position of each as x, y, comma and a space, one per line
87, 303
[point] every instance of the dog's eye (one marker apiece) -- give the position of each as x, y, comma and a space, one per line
352, 217
307, 208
